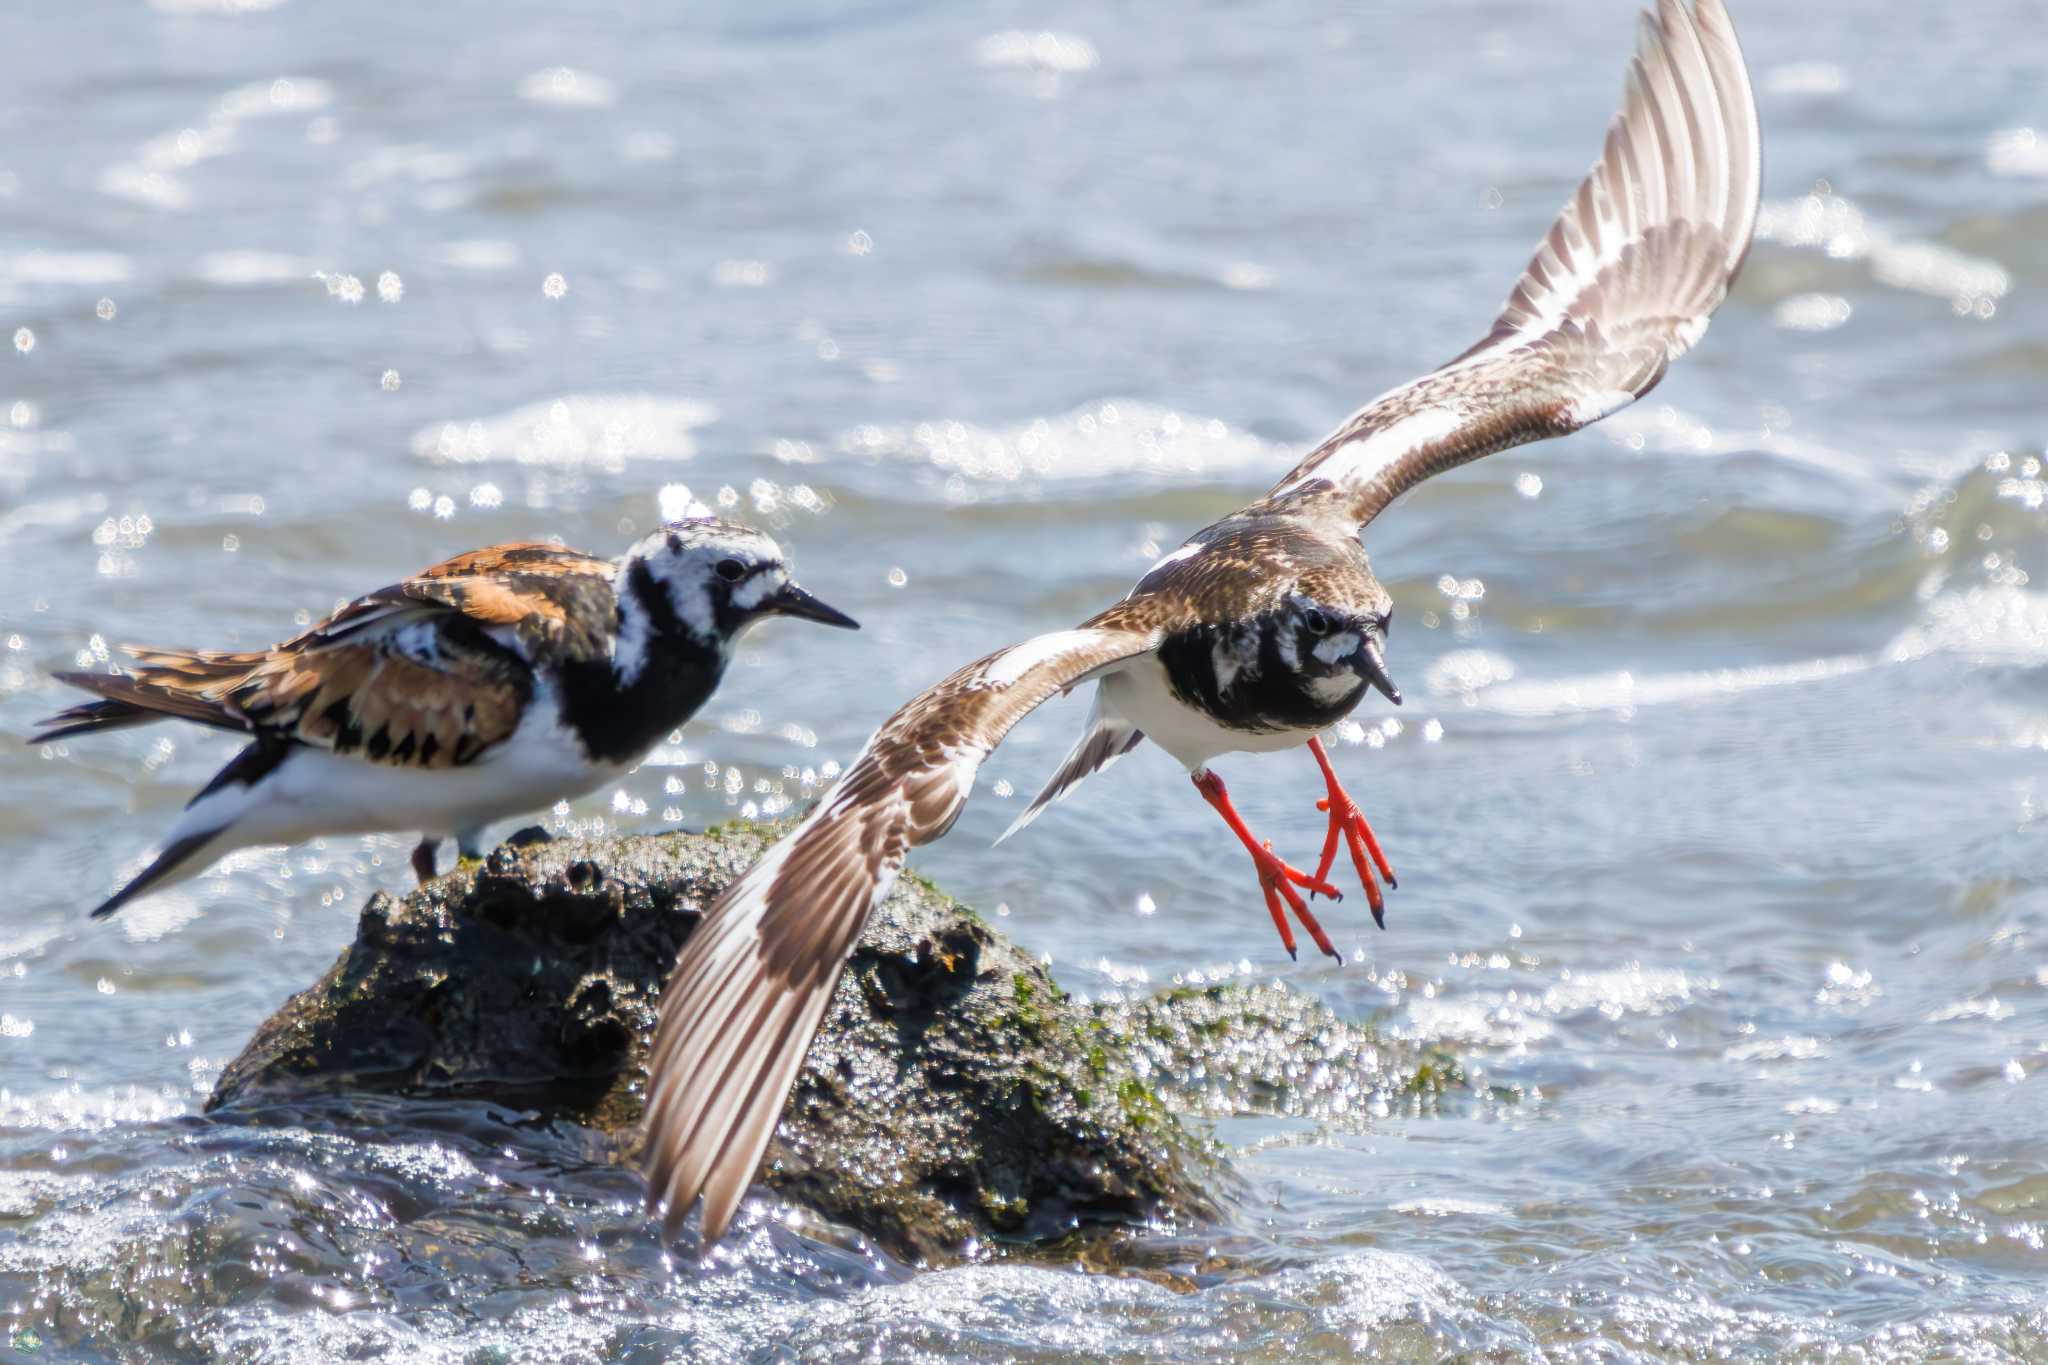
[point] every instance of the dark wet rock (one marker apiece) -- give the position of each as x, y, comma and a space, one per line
956, 1100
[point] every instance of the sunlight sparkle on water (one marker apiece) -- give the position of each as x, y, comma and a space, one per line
1095, 442
1024, 50
344, 287
1811, 312
678, 504
1839, 229
2017, 151
603, 429
567, 88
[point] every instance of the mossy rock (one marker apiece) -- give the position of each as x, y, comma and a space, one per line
956, 1102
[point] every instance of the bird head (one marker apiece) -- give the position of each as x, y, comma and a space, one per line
1344, 644
713, 579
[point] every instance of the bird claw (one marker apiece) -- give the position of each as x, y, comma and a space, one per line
1348, 824
1277, 880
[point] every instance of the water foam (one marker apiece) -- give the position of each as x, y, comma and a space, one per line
604, 429
1111, 439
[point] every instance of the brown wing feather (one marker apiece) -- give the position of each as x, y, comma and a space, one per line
410, 674
1622, 285
369, 696
752, 983
374, 700
558, 601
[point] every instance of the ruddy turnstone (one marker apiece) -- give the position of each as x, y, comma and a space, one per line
1257, 633
493, 683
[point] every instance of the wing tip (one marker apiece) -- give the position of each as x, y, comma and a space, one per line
1030, 813
1685, 145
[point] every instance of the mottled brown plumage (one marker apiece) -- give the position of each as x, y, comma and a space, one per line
404, 675
496, 682
1222, 646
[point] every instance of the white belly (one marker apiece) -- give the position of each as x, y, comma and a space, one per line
1140, 694
314, 792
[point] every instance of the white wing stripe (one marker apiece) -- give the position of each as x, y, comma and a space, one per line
1013, 663
1366, 457
1622, 284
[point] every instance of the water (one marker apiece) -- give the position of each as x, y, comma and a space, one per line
1717, 798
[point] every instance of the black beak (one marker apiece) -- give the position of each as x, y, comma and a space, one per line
1372, 661
794, 601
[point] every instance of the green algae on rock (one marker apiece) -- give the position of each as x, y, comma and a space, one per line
956, 1101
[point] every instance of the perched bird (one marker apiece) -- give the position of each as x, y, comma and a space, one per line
496, 682
1254, 635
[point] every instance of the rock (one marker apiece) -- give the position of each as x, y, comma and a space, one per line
956, 1101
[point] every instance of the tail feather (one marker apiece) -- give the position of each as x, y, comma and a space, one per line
90, 716
1107, 739
128, 699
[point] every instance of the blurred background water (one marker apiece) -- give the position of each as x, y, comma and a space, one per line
1717, 799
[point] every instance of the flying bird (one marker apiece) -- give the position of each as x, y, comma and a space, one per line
496, 682
1257, 633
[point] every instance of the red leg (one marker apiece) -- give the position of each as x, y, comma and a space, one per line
1276, 879
1279, 917
1348, 822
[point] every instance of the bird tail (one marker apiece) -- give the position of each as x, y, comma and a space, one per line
1107, 738
172, 683
89, 717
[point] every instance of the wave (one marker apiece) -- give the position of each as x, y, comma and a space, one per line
1106, 440
605, 429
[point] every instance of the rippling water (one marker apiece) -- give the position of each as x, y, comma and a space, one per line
1717, 799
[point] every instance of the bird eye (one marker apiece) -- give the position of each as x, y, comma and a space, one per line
1317, 623
731, 570
1386, 622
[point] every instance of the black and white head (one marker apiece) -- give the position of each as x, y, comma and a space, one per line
708, 580
1334, 651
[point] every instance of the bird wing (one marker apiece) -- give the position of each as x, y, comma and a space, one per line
430, 672
1622, 285
752, 982
558, 604
420, 691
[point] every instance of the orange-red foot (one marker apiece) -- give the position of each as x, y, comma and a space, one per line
1277, 879
1348, 823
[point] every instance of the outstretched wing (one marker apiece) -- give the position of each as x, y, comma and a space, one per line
1621, 286
752, 982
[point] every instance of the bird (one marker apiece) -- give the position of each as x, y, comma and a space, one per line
1258, 632
501, 680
